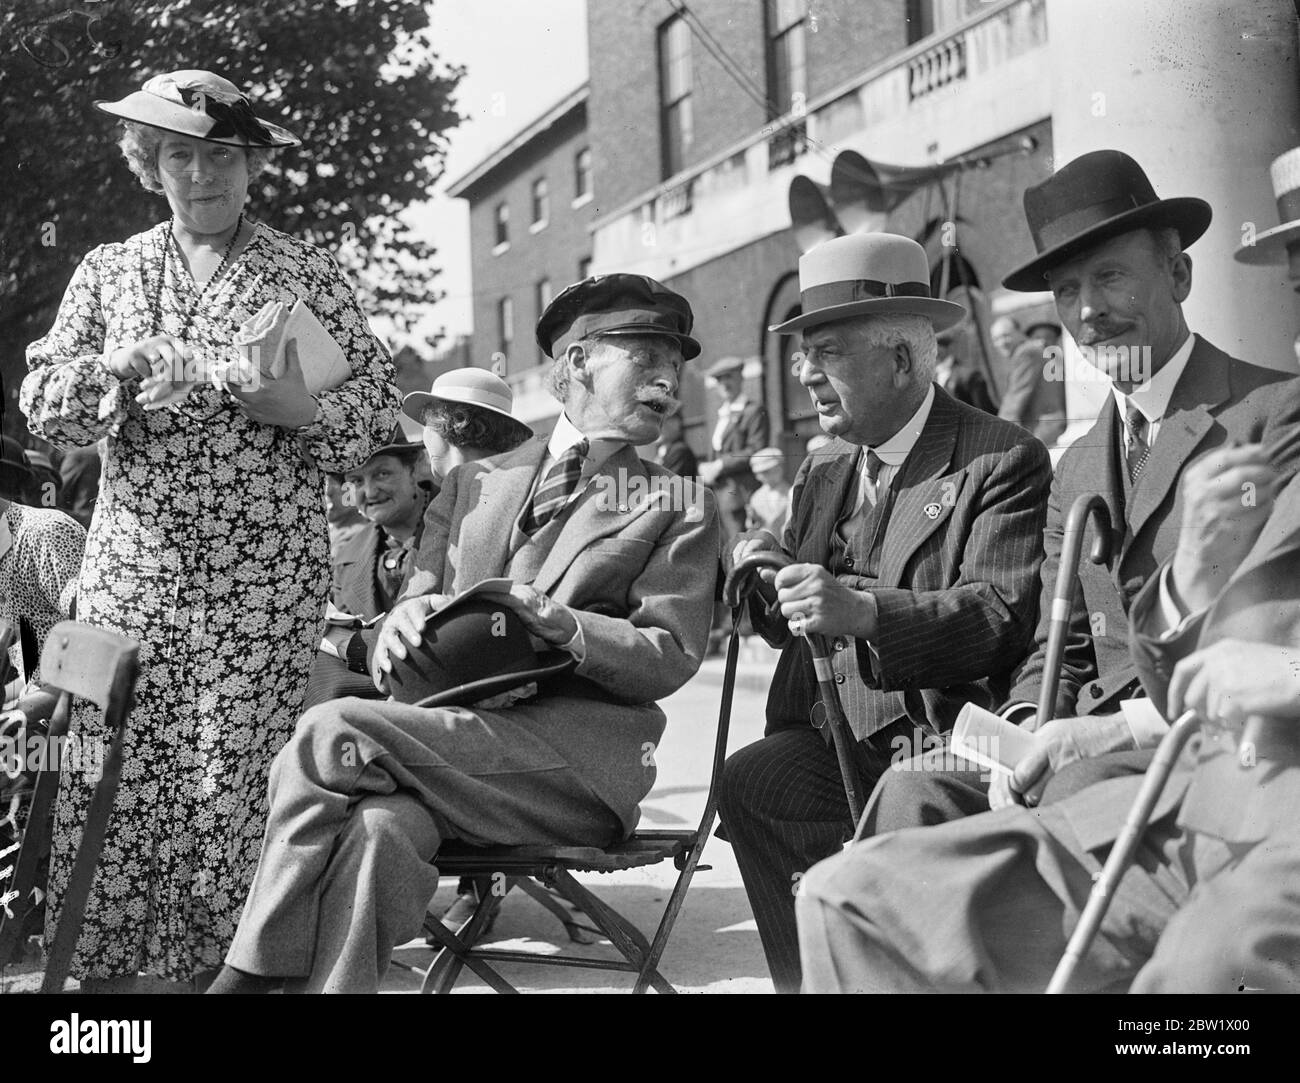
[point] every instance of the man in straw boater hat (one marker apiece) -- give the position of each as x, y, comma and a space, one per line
1187, 457
915, 538
515, 745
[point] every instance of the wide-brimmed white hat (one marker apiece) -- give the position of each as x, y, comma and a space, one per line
199, 104
472, 386
1272, 245
867, 274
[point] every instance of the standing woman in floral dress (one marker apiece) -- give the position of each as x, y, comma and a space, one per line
208, 544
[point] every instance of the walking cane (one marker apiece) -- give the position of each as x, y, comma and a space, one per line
1153, 783
1063, 596
841, 732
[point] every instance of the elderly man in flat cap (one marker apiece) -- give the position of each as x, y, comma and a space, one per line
624, 586
1187, 458
916, 537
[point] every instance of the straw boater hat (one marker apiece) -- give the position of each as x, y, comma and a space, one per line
1097, 197
867, 274
202, 105
470, 386
1281, 244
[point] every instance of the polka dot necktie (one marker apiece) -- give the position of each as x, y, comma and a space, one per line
1135, 456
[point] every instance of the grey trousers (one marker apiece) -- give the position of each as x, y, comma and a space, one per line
362, 797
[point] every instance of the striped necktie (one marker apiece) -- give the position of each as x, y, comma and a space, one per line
556, 488
873, 465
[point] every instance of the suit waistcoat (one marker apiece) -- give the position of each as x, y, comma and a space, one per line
858, 556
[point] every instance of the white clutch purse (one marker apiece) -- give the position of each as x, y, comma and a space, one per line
261, 342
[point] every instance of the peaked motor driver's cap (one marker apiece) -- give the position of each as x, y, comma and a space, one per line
1094, 198
616, 304
473, 648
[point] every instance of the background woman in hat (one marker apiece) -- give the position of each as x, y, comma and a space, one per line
208, 544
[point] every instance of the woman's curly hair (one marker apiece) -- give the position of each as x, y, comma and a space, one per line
140, 143
465, 425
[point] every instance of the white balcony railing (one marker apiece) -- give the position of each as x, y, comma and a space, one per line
941, 97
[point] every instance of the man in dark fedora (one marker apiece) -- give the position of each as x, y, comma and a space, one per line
1112, 254
613, 562
915, 538
741, 430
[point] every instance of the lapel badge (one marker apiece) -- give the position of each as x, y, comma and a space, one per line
932, 511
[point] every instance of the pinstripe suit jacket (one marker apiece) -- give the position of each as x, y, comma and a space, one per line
958, 580
1218, 399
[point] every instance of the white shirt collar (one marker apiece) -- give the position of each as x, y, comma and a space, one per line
566, 434
1152, 398
894, 451
733, 407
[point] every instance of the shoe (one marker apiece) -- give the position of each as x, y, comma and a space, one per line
457, 915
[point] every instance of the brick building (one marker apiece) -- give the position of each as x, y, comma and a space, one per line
725, 136
745, 98
531, 205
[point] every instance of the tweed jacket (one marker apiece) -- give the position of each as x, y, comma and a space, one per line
635, 556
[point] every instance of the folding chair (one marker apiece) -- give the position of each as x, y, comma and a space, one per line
79, 662
533, 869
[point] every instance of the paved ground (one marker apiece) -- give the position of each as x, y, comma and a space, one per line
714, 947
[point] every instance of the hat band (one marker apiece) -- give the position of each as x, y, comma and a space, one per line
858, 289
1068, 226
1288, 206
229, 119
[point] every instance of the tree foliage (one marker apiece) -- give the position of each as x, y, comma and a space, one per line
356, 80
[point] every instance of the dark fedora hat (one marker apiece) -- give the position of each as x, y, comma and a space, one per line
1096, 197
616, 304
474, 647
399, 445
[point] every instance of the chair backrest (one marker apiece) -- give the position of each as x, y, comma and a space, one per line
91, 663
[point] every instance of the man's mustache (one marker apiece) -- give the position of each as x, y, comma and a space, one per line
661, 400
1095, 333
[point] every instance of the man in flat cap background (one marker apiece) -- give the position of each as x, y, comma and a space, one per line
625, 585
1187, 457
916, 537
741, 431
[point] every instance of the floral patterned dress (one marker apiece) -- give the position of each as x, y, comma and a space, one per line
208, 546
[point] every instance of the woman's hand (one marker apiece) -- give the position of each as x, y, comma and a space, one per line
285, 402
161, 355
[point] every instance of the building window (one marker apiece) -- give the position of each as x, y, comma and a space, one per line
542, 297
502, 227
787, 70
505, 326
582, 174
676, 127
584, 268
541, 203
